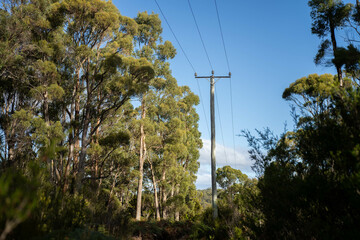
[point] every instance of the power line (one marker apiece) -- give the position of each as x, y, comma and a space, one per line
221, 128
202, 104
228, 65
175, 36
192, 66
202, 41
222, 35
232, 122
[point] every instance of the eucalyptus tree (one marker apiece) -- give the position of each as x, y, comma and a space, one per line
74, 68
328, 16
174, 148
187, 161
165, 113
238, 203
15, 41
151, 47
102, 78
349, 56
315, 160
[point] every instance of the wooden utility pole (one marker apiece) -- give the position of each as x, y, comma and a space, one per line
213, 158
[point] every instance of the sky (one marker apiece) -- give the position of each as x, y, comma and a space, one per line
269, 46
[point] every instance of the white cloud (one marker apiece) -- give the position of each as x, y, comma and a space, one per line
224, 156
203, 181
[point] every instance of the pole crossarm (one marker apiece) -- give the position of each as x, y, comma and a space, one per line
212, 76
213, 144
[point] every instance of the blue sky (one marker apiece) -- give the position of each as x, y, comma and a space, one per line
269, 45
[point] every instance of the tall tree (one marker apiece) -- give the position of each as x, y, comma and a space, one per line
75, 49
68, 72
147, 38
328, 16
307, 171
175, 144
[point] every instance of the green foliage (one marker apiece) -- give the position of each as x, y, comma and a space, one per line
323, 48
163, 230
349, 58
328, 17
115, 139
17, 199
61, 211
100, 16
315, 86
205, 196
166, 51
238, 210
149, 28
77, 234
308, 171
228, 176
55, 215
68, 72
327, 14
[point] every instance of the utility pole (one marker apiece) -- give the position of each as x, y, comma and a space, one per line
213, 158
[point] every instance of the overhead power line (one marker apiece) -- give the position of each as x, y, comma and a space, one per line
187, 58
203, 107
221, 128
173, 33
222, 36
202, 41
232, 122
228, 65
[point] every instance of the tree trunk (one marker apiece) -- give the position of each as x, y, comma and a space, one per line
113, 186
85, 127
334, 45
9, 139
73, 136
11, 145
84, 143
70, 158
46, 109
77, 123
141, 161
47, 122
74, 133
96, 164
177, 212
171, 197
157, 209
164, 196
